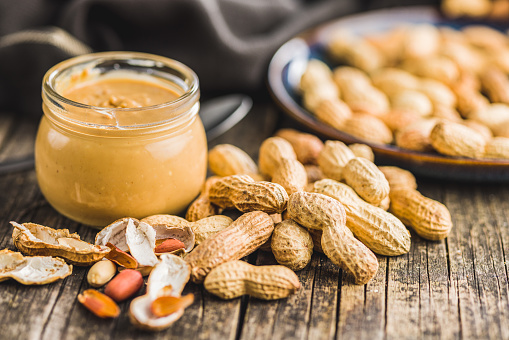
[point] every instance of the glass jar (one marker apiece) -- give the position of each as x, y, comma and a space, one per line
96, 164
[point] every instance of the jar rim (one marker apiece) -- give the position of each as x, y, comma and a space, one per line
191, 80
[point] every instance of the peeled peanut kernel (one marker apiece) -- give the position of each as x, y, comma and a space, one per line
124, 285
101, 273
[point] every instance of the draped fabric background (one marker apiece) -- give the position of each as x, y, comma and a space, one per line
227, 42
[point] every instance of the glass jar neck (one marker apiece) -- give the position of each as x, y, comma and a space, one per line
90, 119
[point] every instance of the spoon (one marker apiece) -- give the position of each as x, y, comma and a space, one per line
218, 116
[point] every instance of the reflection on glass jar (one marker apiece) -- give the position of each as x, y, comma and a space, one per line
101, 153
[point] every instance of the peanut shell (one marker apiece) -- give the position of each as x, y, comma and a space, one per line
227, 160
368, 128
35, 239
307, 147
272, 151
430, 219
457, 140
241, 238
237, 278
202, 207
333, 112
243, 193
32, 270
366, 179
379, 230
291, 245
291, 175
362, 150
333, 159
398, 178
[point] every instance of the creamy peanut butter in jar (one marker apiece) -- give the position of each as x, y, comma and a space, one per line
120, 136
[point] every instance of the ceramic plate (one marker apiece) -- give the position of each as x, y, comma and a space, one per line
289, 62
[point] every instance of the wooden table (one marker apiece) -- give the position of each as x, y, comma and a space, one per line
456, 288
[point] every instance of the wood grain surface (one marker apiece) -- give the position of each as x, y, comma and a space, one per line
451, 289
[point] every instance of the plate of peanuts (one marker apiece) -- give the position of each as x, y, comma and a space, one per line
425, 92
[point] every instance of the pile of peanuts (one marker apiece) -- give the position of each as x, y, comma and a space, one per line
420, 87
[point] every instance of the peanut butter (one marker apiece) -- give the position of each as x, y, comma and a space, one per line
121, 93
95, 174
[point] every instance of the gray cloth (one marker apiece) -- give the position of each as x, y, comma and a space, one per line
227, 42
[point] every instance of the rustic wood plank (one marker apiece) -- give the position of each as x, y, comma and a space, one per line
439, 305
362, 308
403, 292
477, 263
489, 265
426, 295
497, 204
288, 317
324, 305
457, 288
260, 312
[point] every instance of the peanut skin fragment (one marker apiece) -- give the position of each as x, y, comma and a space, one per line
99, 304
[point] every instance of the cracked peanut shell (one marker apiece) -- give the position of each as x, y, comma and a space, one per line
32, 270
168, 278
34, 239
